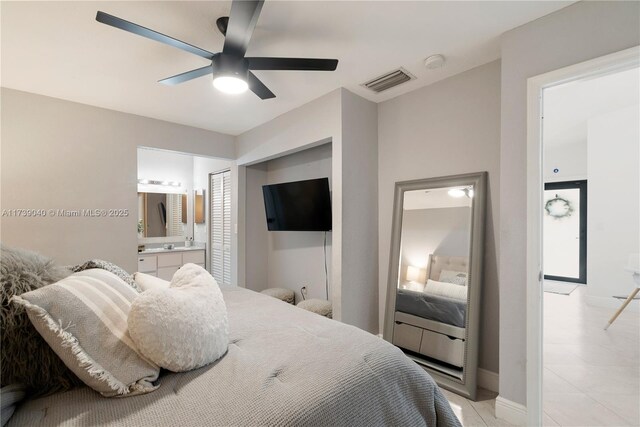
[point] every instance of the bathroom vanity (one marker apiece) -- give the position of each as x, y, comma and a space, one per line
163, 263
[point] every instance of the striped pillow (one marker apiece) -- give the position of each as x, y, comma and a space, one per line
84, 319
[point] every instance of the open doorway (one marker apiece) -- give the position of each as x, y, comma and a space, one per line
586, 187
590, 136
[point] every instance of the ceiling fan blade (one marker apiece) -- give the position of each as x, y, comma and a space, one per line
186, 76
303, 64
116, 22
242, 21
258, 87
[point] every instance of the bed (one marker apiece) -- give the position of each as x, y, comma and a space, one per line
438, 308
434, 307
433, 325
284, 366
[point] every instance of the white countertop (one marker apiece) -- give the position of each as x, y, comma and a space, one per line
153, 251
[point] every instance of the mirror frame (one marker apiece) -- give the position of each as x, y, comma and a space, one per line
467, 386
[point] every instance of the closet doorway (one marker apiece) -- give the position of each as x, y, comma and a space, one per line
220, 228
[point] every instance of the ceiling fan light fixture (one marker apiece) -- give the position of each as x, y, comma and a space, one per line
230, 74
457, 193
230, 84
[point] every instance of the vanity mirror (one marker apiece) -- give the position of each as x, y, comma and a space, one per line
162, 215
435, 276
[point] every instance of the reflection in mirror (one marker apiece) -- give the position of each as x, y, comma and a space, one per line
199, 206
161, 215
432, 282
433, 299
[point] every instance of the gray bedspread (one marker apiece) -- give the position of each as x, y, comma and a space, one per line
284, 367
434, 307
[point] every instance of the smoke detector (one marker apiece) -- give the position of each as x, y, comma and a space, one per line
434, 62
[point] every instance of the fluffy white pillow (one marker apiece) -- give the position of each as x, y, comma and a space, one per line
444, 289
182, 327
147, 281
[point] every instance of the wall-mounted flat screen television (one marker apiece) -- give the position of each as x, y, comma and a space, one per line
298, 206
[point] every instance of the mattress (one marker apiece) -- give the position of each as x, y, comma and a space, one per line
433, 307
285, 366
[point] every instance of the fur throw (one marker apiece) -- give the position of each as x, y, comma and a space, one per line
26, 358
182, 327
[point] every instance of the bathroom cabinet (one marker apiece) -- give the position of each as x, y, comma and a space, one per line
164, 264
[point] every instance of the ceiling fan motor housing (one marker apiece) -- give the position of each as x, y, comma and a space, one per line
230, 65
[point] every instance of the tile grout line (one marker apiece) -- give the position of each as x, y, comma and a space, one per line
486, 423
552, 419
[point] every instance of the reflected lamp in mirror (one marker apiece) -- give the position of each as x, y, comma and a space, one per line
413, 273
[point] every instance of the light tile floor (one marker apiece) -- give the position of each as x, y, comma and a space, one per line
591, 376
477, 414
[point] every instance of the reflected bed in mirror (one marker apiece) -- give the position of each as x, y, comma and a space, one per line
162, 215
435, 276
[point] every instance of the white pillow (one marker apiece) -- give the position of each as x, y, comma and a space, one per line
184, 326
448, 290
455, 277
147, 281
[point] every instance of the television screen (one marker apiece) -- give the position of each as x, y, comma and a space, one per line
298, 206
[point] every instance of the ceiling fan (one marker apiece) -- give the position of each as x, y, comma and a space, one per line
231, 69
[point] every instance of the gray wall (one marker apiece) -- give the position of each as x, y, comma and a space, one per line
296, 258
448, 128
359, 166
350, 124
60, 154
582, 31
257, 237
287, 259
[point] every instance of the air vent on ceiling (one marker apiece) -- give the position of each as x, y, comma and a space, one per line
389, 80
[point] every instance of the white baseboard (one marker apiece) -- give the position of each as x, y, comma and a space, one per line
511, 412
488, 380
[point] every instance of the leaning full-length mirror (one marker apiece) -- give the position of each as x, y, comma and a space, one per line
435, 278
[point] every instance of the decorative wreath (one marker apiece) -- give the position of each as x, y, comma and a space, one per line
558, 207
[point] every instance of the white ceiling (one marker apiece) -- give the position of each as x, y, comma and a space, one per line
568, 107
58, 49
433, 199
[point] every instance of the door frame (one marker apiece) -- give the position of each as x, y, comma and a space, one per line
618, 61
582, 186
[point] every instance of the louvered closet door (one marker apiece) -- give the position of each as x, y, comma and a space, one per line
221, 227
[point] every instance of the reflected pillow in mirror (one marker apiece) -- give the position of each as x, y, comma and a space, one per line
455, 277
447, 290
